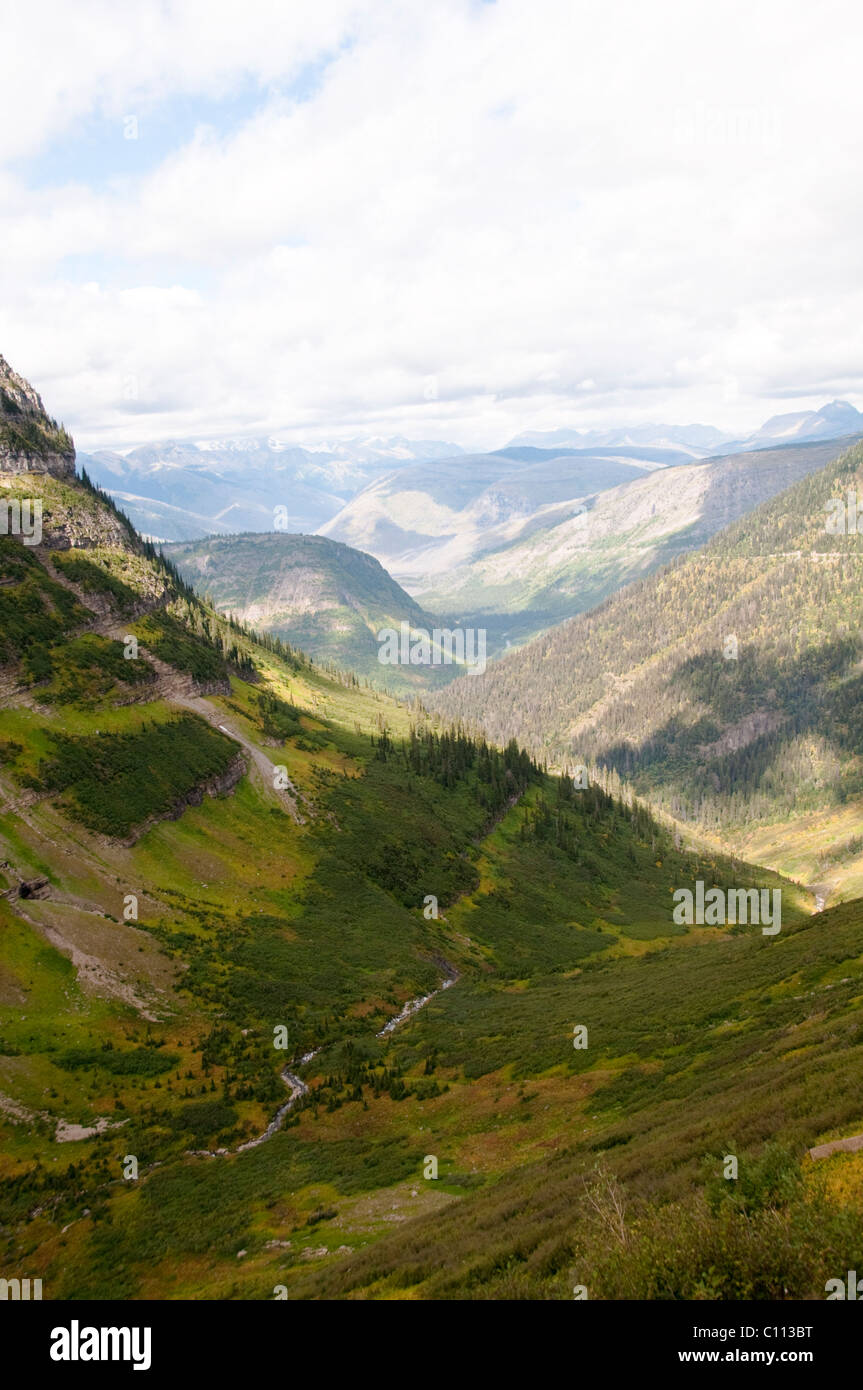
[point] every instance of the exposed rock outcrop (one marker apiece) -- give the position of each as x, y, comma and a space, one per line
30, 441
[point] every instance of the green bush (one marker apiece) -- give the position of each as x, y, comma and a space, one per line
138, 1061
115, 782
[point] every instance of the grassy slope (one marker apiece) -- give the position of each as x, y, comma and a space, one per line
557, 914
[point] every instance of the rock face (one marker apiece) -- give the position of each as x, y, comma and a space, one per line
30, 441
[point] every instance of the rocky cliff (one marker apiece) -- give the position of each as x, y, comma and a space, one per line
30, 441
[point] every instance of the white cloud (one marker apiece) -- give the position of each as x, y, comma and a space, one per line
558, 213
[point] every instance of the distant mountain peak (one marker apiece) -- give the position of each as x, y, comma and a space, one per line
839, 410
827, 422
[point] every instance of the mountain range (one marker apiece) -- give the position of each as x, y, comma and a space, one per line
517, 555
306, 994
510, 549
182, 490
188, 489
523, 538
827, 422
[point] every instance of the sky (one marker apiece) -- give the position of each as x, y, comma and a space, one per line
454, 221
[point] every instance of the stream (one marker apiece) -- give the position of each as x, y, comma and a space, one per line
298, 1088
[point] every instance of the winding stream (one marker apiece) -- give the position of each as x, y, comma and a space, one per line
298, 1088
413, 1006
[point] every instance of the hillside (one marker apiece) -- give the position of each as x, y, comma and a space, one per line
314, 593
428, 518
761, 749
622, 534
289, 987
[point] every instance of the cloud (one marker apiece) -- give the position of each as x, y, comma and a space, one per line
457, 220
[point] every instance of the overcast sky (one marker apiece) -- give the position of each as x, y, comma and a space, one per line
441, 218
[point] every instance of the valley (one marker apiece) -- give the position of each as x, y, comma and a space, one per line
431, 680
532, 543
306, 989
